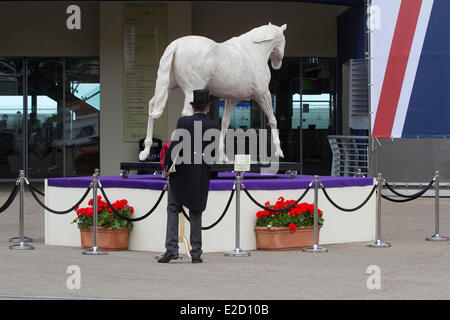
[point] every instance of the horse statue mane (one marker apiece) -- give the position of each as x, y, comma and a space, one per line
233, 70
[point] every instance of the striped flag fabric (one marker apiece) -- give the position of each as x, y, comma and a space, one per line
410, 69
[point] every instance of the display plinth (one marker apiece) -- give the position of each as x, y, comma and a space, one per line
149, 234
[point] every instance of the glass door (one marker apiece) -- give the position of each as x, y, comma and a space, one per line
44, 112
11, 117
49, 118
316, 103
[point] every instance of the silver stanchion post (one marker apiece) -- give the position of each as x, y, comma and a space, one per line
436, 236
358, 173
94, 250
378, 243
315, 248
21, 239
238, 252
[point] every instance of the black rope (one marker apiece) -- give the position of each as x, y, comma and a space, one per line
132, 219
399, 200
344, 209
10, 199
413, 196
276, 210
36, 190
221, 216
56, 211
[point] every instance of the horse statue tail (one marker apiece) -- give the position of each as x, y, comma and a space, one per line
158, 102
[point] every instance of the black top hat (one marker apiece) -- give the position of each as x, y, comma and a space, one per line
201, 98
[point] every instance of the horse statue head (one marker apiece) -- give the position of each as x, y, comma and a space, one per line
274, 36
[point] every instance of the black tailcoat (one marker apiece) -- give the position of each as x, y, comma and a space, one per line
190, 182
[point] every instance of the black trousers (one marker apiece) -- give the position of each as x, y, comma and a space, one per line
173, 211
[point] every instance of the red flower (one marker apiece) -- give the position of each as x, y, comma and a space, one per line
293, 228
281, 199
259, 214
89, 212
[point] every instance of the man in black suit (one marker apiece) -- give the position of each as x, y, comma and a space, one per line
189, 184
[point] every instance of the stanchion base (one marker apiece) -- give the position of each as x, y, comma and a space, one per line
437, 238
315, 249
21, 246
18, 240
238, 252
94, 251
379, 244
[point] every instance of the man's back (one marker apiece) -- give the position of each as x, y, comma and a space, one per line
190, 182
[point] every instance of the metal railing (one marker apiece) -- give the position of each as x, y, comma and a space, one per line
350, 153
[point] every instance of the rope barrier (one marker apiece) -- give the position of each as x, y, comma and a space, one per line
10, 199
276, 210
37, 190
221, 216
408, 198
344, 209
132, 219
56, 211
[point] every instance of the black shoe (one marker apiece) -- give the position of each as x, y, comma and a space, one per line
167, 256
197, 260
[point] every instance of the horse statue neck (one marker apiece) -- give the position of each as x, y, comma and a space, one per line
264, 38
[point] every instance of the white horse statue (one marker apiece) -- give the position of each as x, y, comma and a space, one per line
234, 70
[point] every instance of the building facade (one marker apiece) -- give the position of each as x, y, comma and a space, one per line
75, 83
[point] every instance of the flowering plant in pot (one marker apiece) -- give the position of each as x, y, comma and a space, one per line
112, 231
288, 229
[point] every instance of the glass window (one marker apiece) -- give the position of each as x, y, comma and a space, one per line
11, 113
82, 116
60, 114
316, 111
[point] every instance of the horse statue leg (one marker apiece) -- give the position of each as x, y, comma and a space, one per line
154, 112
265, 102
164, 84
228, 109
143, 155
187, 107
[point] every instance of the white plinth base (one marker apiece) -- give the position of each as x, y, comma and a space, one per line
149, 234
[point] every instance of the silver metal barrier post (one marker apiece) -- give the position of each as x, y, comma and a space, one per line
358, 173
238, 252
20, 240
378, 243
315, 248
436, 236
94, 250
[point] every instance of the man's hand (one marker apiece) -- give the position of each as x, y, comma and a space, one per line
166, 174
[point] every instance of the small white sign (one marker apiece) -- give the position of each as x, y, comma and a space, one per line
241, 162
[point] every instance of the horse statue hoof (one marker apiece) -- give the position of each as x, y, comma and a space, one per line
223, 158
279, 154
143, 155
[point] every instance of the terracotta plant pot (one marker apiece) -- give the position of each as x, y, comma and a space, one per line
107, 238
280, 238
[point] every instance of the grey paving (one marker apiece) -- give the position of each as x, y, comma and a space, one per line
411, 269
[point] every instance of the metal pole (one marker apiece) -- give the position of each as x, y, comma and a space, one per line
94, 250
315, 247
378, 243
436, 236
238, 252
21, 239
358, 173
